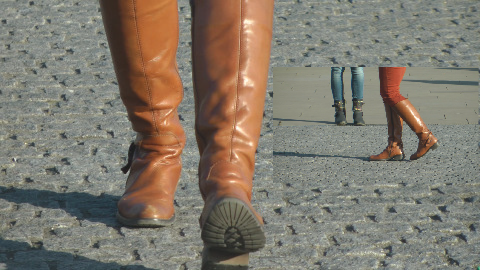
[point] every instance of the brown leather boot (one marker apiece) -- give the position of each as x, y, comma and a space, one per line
394, 150
231, 52
144, 56
426, 139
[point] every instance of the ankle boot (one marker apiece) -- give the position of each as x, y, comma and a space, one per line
358, 112
394, 150
231, 52
411, 116
340, 118
144, 58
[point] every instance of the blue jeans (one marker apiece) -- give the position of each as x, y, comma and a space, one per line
356, 84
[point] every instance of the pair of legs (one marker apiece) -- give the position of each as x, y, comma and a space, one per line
399, 109
230, 53
356, 83
338, 94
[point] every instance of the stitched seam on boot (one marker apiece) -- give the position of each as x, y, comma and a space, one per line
200, 137
139, 43
234, 127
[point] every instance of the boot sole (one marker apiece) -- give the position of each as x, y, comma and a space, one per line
233, 228
435, 146
341, 124
145, 222
394, 158
210, 266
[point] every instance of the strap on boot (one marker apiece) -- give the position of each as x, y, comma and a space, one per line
131, 151
357, 104
339, 106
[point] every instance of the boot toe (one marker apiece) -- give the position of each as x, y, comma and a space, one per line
138, 213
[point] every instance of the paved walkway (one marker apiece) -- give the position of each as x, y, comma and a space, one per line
345, 212
64, 136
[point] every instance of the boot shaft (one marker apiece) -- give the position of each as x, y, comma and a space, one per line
144, 57
395, 126
231, 53
410, 115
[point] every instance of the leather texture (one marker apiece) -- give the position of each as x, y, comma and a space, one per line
394, 147
411, 116
143, 39
231, 53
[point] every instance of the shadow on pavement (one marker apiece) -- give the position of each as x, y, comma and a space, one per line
455, 68
445, 82
289, 154
20, 255
83, 206
310, 121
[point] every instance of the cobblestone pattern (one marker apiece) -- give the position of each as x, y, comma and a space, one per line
64, 136
343, 211
376, 32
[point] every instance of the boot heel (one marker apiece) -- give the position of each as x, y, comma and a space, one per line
398, 157
233, 228
219, 260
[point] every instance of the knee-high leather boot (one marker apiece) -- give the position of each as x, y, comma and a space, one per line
231, 52
144, 56
411, 116
394, 150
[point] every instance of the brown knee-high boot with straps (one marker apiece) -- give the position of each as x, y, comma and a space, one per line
144, 56
394, 150
426, 140
231, 52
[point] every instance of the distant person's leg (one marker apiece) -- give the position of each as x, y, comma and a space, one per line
389, 90
357, 95
336, 81
390, 79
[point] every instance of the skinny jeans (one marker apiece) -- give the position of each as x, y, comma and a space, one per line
356, 83
390, 79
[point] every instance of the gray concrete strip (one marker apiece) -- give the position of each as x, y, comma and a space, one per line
444, 96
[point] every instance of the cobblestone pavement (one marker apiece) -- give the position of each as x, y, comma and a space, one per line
343, 210
64, 136
376, 32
